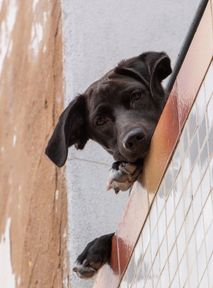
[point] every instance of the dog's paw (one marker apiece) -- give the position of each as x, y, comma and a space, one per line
94, 256
123, 175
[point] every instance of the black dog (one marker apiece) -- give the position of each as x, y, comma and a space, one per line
120, 112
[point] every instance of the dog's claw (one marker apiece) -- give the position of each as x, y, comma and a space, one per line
84, 272
123, 175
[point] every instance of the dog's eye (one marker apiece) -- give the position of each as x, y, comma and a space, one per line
136, 96
101, 120
135, 99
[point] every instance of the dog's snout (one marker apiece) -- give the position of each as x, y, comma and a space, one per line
134, 139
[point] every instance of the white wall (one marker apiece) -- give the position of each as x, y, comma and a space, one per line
97, 35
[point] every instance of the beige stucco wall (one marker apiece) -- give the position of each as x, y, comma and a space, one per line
32, 194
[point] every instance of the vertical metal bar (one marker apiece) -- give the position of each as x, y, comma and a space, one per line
187, 42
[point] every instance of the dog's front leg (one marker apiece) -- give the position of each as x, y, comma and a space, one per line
94, 256
123, 175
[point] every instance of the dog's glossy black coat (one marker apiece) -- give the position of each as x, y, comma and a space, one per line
120, 112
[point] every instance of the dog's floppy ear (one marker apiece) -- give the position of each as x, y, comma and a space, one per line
159, 68
150, 68
71, 129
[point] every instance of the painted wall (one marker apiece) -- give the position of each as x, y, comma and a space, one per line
97, 35
33, 210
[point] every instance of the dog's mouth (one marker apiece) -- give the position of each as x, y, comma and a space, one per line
127, 158
133, 158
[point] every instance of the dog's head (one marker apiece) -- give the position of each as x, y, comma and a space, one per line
120, 111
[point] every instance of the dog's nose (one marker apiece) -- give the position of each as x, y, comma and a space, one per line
133, 140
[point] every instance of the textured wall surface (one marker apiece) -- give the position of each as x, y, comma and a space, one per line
32, 194
97, 35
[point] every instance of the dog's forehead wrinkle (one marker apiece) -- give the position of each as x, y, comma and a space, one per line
111, 92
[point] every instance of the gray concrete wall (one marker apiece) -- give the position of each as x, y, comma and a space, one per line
97, 35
